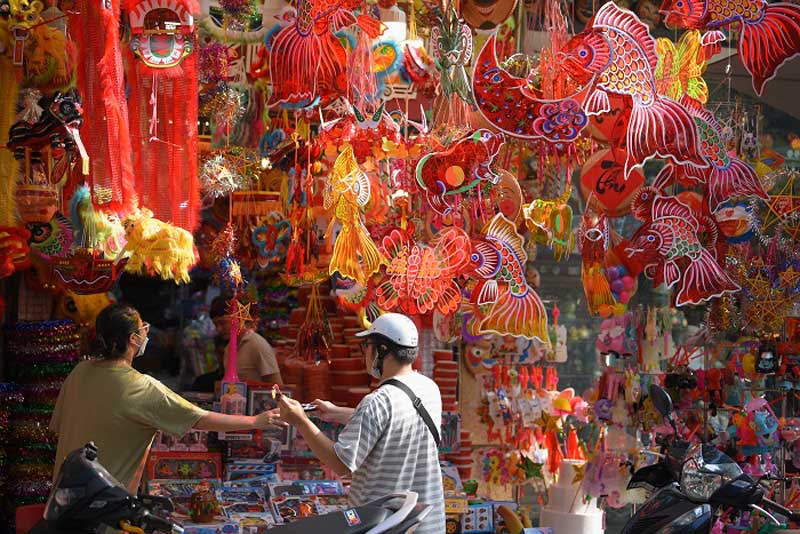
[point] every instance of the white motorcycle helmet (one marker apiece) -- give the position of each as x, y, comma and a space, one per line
396, 328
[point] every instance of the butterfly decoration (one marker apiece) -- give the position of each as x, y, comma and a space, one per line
421, 278
681, 66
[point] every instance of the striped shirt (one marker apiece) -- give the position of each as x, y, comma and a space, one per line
388, 448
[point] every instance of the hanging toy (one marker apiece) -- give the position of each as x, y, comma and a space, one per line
498, 261
307, 61
421, 278
550, 222
162, 81
726, 176
157, 247
458, 169
452, 49
616, 54
668, 236
593, 240
347, 192
770, 33
512, 106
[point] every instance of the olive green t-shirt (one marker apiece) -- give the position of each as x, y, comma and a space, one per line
120, 410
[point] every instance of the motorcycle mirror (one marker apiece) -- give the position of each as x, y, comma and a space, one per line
661, 400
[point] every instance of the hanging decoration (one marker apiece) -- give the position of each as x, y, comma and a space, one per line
419, 278
498, 262
157, 248
667, 244
726, 176
550, 223
617, 41
347, 192
681, 66
459, 168
519, 110
604, 185
307, 61
162, 77
94, 27
769, 33
452, 50
593, 243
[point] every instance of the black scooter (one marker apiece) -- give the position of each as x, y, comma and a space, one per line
692, 484
86, 499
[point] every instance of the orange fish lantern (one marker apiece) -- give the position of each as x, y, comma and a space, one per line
498, 263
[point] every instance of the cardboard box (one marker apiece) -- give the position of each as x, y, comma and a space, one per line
184, 465
220, 527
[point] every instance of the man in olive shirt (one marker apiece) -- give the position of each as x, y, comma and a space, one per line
255, 357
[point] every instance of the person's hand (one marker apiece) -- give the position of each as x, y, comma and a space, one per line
268, 419
291, 410
326, 410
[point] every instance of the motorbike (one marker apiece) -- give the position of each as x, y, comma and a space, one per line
86, 499
394, 514
692, 484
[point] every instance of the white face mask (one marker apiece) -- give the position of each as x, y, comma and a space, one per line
142, 347
375, 372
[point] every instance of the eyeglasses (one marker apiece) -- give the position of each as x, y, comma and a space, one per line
364, 346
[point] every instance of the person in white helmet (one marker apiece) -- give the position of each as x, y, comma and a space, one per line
389, 442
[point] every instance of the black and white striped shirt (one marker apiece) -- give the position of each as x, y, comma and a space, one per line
388, 448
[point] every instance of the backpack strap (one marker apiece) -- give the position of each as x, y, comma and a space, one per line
426, 417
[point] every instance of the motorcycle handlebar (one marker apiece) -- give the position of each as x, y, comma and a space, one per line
780, 509
151, 522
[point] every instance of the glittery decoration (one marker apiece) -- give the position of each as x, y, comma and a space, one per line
215, 60
219, 178
225, 107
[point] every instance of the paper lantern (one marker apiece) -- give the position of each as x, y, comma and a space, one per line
603, 182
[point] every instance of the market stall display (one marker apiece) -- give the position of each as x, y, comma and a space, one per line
563, 197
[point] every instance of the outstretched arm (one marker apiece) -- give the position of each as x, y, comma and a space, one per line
220, 422
322, 447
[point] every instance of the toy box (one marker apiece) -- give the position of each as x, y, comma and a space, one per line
236, 471
455, 502
290, 509
241, 500
538, 530
178, 491
220, 527
305, 487
479, 518
332, 503
254, 523
194, 441
451, 480
184, 466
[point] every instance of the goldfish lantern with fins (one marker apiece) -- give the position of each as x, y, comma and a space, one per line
616, 41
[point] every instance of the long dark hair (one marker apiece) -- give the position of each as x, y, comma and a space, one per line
113, 328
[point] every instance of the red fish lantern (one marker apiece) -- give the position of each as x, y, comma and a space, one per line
669, 245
